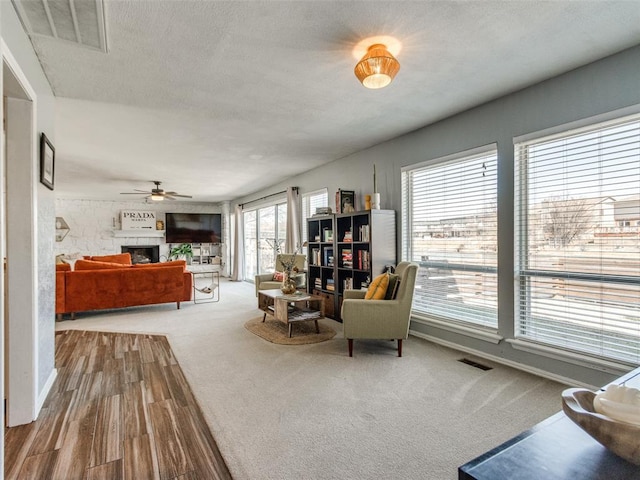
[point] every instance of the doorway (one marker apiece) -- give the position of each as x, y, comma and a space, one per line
17, 233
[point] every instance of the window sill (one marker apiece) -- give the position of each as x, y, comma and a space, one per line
608, 366
481, 333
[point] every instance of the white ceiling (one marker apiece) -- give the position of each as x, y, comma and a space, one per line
219, 99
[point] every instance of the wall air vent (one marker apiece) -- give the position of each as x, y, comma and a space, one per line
78, 21
475, 364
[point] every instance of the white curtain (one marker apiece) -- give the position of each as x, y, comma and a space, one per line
293, 220
237, 273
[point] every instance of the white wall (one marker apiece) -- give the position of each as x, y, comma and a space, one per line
92, 224
40, 214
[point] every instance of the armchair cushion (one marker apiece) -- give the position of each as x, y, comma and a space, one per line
392, 288
378, 288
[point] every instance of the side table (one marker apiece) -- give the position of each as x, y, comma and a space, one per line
206, 283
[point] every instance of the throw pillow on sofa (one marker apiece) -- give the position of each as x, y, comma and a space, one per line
278, 276
93, 265
171, 263
121, 258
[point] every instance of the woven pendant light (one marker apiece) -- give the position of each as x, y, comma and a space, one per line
377, 68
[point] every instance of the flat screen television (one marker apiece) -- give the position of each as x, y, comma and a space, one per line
193, 227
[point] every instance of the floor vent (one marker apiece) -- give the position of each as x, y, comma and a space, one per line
475, 364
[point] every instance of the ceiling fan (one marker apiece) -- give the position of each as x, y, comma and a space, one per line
156, 194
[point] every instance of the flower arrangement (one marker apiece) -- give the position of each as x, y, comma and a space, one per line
288, 263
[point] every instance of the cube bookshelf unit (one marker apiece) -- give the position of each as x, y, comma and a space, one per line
346, 251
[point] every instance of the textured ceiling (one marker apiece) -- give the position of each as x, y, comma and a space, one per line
219, 99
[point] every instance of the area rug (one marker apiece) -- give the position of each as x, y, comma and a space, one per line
275, 331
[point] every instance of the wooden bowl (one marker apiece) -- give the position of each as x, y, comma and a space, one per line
621, 438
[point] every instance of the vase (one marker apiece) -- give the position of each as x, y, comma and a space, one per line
288, 285
376, 201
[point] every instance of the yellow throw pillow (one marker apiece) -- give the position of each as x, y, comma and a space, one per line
378, 288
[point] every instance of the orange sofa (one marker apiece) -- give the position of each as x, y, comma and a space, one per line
111, 281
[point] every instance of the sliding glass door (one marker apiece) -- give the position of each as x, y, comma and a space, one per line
265, 231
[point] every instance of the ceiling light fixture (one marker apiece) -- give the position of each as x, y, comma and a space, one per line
377, 68
156, 197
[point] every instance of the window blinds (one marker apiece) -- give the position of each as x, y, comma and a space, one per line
450, 229
578, 240
310, 202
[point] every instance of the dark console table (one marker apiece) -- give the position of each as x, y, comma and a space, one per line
555, 449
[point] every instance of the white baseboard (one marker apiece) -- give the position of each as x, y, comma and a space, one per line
45, 390
503, 361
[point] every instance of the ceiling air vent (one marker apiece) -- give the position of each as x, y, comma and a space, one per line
78, 21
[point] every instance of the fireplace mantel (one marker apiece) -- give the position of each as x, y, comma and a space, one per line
138, 233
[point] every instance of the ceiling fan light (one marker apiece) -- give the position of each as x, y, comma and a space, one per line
377, 68
157, 197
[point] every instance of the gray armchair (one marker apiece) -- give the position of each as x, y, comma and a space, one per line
265, 281
380, 319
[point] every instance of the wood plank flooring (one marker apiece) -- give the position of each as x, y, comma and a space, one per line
120, 409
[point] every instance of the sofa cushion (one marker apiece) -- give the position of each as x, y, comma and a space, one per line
63, 267
172, 263
378, 288
93, 265
392, 288
122, 258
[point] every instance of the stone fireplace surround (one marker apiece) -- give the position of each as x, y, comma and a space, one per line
142, 253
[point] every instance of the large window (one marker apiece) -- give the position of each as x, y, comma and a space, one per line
265, 231
311, 201
578, 240
450, 229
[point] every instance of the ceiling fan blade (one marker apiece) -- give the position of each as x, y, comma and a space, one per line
181, 196
133, 193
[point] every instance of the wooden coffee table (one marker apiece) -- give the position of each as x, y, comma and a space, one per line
289, 309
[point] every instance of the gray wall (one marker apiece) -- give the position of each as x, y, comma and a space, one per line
603, 86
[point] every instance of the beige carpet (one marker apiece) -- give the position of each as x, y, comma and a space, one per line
311, 412
275, 331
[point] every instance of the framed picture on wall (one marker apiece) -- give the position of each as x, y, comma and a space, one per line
47, 162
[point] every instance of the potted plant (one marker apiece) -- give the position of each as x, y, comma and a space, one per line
182, 252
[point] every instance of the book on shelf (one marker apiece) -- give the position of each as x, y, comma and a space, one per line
347, 258
364, 233
328, 235
330, 284
348, 283
328, 257
347, 236
317, 283
363, 260
315, 256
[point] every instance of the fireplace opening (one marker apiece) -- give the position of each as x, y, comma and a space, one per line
142, 253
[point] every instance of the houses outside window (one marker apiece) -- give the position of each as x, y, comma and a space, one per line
578, 240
